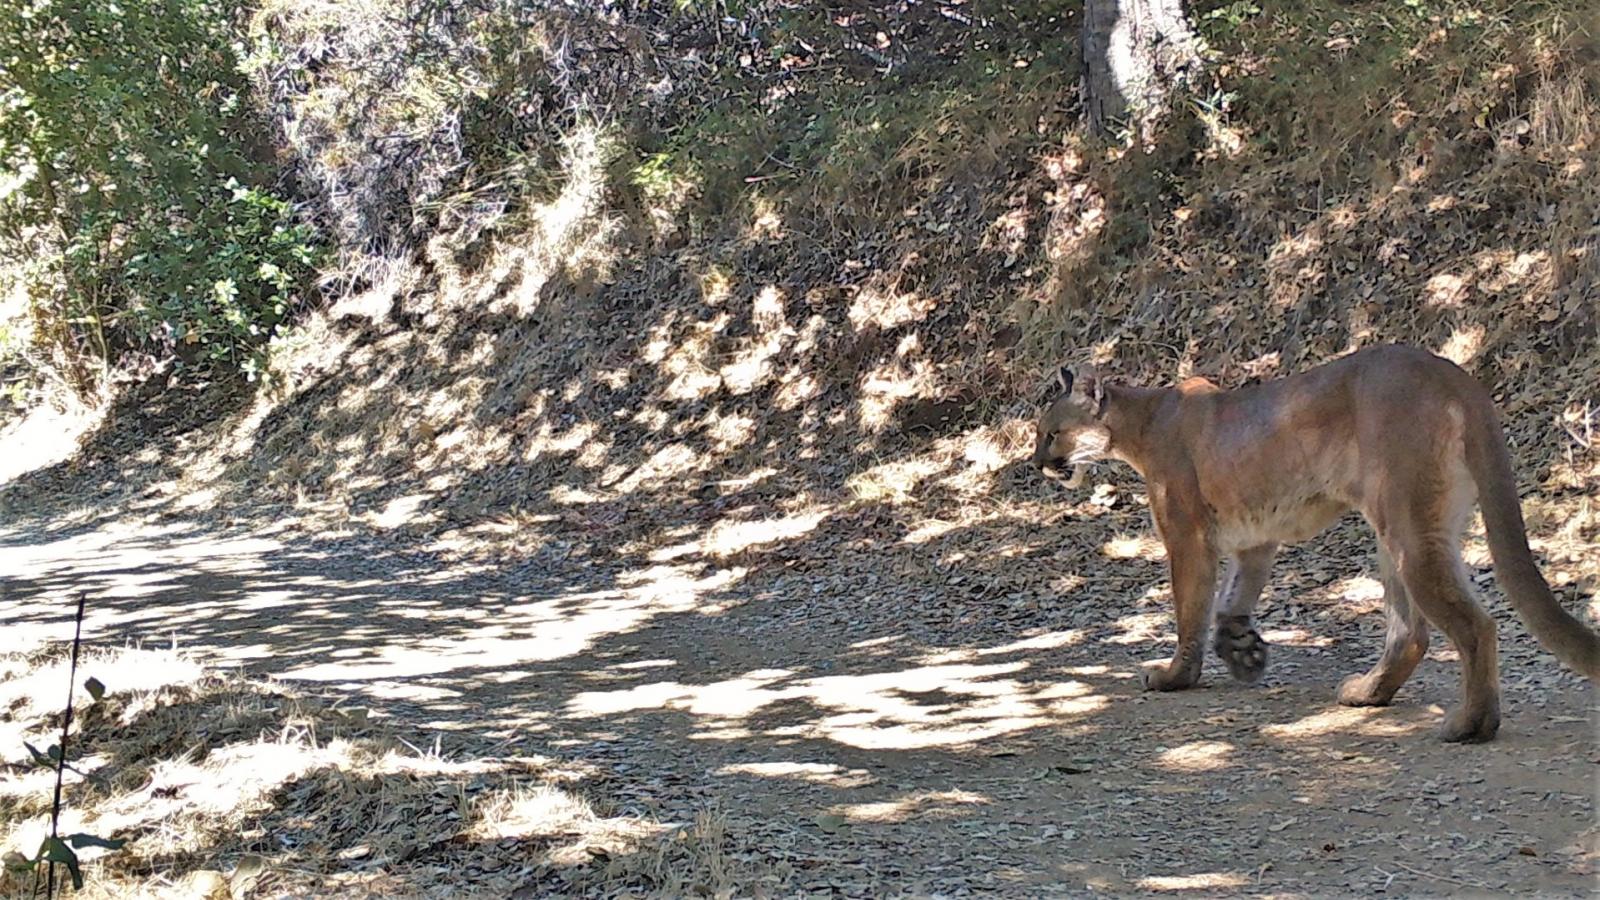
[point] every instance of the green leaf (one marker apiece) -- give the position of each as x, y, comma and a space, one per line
80, 841
96, 689
47, 761
56, 850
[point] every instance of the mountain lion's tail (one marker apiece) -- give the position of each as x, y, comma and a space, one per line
1562, 633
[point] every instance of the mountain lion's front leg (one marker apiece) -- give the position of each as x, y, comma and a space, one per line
1236, 640
1193, 564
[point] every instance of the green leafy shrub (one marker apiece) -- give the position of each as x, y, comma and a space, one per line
133, 176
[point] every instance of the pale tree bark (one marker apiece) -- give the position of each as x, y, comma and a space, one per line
1135, 53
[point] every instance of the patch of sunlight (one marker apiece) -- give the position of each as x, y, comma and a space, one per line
571, 231
765, 223
887, 308
1358, 588
814, 332
816, 773
1500, 270
754, 477
1222, 139
661, 343
397, 762
538, 631
1296, 637
990, 448
41, 690
229, 781
670, 463
1137, 547
1463, 344
401, 690
1052, 640
889, 384
651, 419
38, 781
931, 529
480, 443
1340, 720
615, 379
548, 812
976, 478
1294, 247
752, 367
1048, 641
688, 366
1344, 216
401, 511
926, 706
1446, 290
796, 389
715, 288
546, 441
593, 455
1202, 881
646, 664
726, 537
919, 805
564, 495
1264, 366
1198, 756
1063, 585
1141, 628
766, 310
892, 482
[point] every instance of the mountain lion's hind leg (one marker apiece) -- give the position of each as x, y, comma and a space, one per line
1236, 640
1424, 541
1403, 648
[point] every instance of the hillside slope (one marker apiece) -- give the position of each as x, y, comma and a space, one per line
855, 268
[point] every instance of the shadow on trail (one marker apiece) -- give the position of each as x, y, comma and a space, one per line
968, 687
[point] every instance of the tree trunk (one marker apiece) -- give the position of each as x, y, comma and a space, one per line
1135, 52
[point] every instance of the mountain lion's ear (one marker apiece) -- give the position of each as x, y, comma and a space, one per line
1089, 389
1064, 379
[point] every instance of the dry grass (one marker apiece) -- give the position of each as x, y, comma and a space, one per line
216, 779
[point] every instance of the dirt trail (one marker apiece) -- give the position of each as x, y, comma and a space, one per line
873, 723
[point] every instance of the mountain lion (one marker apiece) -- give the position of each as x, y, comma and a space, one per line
1397, 433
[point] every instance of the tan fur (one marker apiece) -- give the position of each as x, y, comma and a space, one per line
1405, 437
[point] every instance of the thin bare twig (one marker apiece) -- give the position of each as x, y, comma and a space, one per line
1444, 878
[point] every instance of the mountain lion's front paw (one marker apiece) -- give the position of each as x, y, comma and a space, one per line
1169, 677
1240, 646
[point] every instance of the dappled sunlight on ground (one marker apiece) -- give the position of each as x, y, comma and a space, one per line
929, 706
524, 632
1198, 756
917, 805
825, 687
1205, 881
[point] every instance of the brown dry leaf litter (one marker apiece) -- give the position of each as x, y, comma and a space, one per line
863, 708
